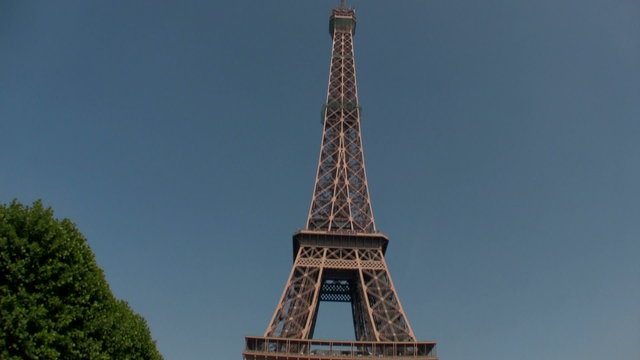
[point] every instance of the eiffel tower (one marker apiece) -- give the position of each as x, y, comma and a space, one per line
339, 256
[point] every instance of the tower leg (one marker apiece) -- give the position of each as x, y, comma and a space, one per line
295, 315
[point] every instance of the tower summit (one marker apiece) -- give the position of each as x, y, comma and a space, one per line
339, 255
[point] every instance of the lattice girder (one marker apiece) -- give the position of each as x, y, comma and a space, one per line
341, 199
356, 275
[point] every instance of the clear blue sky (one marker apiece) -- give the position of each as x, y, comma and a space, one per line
501, 139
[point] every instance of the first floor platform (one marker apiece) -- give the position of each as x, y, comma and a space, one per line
270, 348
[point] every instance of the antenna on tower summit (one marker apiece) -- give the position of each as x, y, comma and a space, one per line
343, 4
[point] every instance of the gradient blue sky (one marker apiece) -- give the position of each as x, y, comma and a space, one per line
501, 138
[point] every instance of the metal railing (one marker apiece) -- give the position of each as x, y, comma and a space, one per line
338, 349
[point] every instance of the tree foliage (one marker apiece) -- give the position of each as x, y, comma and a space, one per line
54, 300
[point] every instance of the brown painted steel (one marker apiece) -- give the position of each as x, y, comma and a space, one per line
341, 196
339, 256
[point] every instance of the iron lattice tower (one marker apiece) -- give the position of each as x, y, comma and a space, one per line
339, 256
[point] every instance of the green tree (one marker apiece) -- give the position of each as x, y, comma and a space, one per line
54, 300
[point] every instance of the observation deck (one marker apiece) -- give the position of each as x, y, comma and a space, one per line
270, 348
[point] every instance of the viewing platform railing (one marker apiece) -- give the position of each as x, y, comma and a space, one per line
258, 348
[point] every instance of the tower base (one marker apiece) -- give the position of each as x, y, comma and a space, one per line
270, 348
